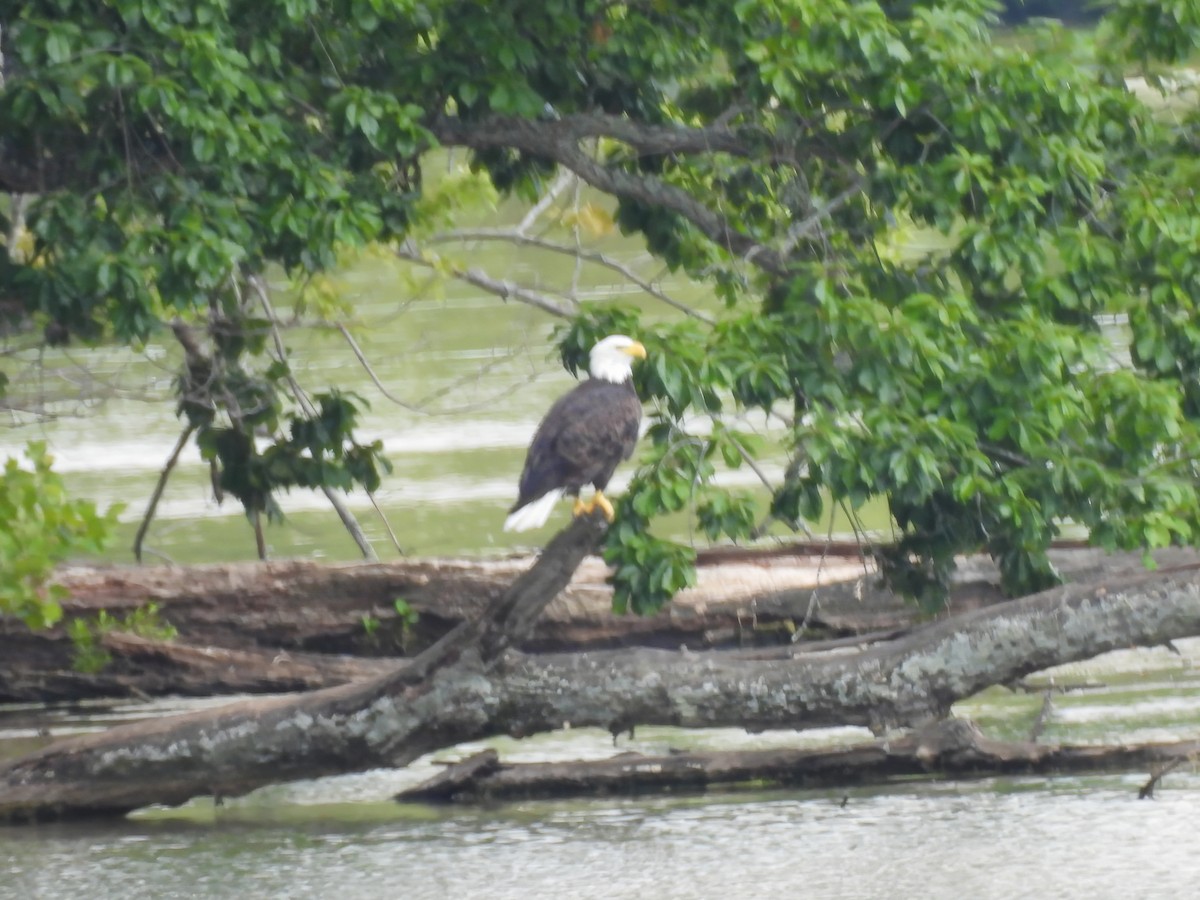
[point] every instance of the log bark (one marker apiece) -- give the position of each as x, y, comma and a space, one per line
953, 748
472, 685
290, 625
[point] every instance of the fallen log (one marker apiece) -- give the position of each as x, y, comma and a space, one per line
143, 668
234, 749
951, 749
315, 615
294, 622
473, 684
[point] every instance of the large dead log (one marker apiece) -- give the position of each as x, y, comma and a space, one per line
234, 749
952, 748
289, 625
472, 685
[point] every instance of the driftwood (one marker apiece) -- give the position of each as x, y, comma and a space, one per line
473, 683
952, 748
285, 626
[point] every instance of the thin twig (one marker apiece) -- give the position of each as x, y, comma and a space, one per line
577, 234
260, 540
561, 182
366, 364
421, 406
343, 511
386, 524
805, 225
601, 259
161, 486
813, 601
1043, 716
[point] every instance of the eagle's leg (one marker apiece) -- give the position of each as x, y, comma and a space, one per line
598, 499
580, 507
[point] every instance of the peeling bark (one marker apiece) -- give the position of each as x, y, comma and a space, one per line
953, 748
472, 685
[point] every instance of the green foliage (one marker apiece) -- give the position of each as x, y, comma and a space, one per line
89, 656
404, 611
370, 624
913, 226
39, 528
231, 398
647, 571
86, 634
400, 632
969, 384
315, 451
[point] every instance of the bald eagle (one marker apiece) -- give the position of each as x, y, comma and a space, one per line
586, 433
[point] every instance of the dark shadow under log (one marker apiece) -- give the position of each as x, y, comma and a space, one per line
953, 749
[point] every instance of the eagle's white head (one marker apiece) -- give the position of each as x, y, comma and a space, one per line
612, 358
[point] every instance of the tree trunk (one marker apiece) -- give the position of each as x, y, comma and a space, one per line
472, 684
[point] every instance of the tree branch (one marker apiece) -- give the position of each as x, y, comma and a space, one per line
159, 487
534, 136
520, 238
349, 521
559, 141
504, 289
240, 747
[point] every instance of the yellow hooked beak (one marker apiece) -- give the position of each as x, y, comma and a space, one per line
635, 350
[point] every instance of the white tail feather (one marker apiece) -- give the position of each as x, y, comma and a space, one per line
533, 514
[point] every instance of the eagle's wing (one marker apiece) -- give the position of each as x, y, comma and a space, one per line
584, 435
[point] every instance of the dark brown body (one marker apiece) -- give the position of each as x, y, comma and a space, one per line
582, 439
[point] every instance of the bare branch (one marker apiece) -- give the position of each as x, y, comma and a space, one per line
559, 141
561, 182
644, 138
804, 227
366, 364
505, 290
159, 487
601, 259
386, 523
653, 192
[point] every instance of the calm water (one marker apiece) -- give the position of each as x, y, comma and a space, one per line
992, 841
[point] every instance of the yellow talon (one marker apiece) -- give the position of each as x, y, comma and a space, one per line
598, 499
581, 507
